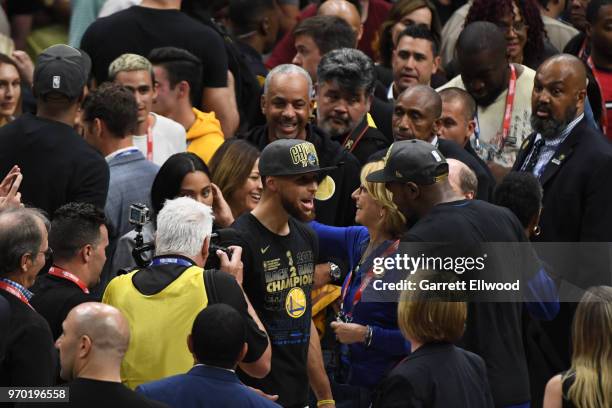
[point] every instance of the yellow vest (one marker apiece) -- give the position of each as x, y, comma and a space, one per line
159, 325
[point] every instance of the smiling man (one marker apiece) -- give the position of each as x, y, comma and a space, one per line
287, 106
272, 235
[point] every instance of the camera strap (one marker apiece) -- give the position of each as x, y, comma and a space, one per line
367, 278
64, 274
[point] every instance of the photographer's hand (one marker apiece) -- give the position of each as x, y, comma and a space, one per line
234, 265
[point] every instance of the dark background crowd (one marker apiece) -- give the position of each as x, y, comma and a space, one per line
196, 196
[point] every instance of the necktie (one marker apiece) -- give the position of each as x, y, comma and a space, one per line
533, 158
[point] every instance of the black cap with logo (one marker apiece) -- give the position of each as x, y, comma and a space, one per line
411, 160
289, 157
61, 69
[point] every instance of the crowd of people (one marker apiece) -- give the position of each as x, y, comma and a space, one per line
197, 199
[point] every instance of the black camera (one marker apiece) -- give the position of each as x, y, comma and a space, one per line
217, 243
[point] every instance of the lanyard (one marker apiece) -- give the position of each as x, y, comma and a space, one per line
15, 292
507, 113
170, 260
351, 141
149, 139
369, 275
604, 116
509, 106
64, 274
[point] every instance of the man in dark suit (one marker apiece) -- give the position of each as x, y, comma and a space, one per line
573, 163
29, 357
217, 342
417, 116
58, 166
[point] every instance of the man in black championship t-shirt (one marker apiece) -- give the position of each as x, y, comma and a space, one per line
279, 252
417, 175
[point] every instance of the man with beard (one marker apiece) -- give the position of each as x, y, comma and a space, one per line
498, 88
287, 105
278, 255
344, 95
416, 115
573, 163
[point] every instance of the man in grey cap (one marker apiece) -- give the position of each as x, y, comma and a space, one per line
273, 236
57, 164
417, 175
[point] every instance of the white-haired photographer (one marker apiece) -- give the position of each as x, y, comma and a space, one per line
174, 288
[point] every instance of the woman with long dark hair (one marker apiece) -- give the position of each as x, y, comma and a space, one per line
521, 21
182, 175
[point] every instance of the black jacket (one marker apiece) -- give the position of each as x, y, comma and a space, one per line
363, 141
30, 358
577, 187
339, 210
452, 150
436, 376
57, 164
54, 298
576, 213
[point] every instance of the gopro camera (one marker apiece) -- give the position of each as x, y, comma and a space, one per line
139, 214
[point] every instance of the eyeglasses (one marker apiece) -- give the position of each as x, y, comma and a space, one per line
516, 26
48, 253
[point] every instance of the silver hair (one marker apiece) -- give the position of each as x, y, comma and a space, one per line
182, 226
288, 69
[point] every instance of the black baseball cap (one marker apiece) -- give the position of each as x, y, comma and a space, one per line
411, 160
289, 157
61, 69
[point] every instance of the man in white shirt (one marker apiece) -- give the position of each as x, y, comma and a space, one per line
415, 59
496, 86
157, 137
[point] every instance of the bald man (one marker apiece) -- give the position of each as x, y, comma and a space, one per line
94, 340
574, 165
416, 115
345, 10
462, 179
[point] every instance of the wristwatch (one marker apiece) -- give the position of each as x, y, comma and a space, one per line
334, 272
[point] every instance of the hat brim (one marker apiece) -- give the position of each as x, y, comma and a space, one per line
378, 176
298, 172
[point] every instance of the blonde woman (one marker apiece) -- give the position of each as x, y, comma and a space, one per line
588, 383
437, 373
370, 341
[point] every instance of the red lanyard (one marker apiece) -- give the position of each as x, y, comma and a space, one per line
366, 280
149, 139
15, 292
604, 116
509, 106
61, 273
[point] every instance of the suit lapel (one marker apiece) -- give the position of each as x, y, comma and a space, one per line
523, 152
562, 154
